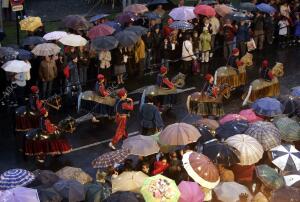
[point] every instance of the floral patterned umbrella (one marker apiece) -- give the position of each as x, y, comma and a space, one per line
111, 158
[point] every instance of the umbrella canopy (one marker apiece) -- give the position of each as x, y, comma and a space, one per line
14, 178
126, 17
190, 191
269, 176
268, 107
223, 10
231, 117
230, 191
289, 128
183, 25
76, 22
8, 53
250, 115
221, 153
136, 8
141, 145
205, 10
114, 24
16, 66
20, 194
24, 54
250, 149
70, 189
237, 16
46, 177
167, 4
72, 173
231, 128
160, 188
104, 43
73, 40
100, 30
208, 2
49, 194
265, 133
210, 123
263, 7
55, 35
295, 91
201, 169
46, 49
97, 191
247, 6
205, 136
152, 15
30, 23
98, 17
129, 181
286, 157
292, 179
127, 38
111, 158
287, 194
183, 13
139, 30
124, 196
179, 134
33, 40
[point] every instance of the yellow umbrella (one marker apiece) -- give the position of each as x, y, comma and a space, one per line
31, 23
129, 181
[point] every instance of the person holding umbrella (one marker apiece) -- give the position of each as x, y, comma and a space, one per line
120, 59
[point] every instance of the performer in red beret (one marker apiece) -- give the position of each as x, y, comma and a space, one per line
210, 89
266, 71
234, 60
35, 104
162, 79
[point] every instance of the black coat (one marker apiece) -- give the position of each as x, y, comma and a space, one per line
118, 57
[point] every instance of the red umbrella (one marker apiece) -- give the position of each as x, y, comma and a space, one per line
205, 10
100, 30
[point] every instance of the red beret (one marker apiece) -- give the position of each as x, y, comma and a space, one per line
265, 63
34, 89
43, 111
100, 77
122, 92
163, 69
208, 77
235, 51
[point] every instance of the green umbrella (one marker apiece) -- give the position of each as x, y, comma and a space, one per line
289, 128
160, 188
269, 176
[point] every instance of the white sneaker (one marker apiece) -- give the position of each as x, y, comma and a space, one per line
211, 54
111, 146
94, 120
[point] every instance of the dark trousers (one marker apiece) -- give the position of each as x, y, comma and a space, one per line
186, 67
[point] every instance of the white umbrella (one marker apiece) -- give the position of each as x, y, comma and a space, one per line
55, 35
141, 145
73, 40
230, 191
129, 181
292, 179
16, 66
250, 149
46, 49
183, 13
19, 194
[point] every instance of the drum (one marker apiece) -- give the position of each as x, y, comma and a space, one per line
262, 88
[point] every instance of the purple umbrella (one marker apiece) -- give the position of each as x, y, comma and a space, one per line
184, 13
268, 107
190, 191
114, 24
263, 7
126, 17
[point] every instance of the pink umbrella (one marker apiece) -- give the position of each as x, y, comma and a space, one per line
250, 115
136, 8
223, 10
190, 192
205, 10
100, 30
231, 117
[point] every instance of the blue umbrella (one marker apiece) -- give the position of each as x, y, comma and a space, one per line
181, 25
231, 128
263, 7
247, 6
127, 38
98, 17
208, 2
139, 30
104, 43
15, 177
114, 24
24, 54
33, 40
268, 107
295, 91
151, 15
8, 53
237, 16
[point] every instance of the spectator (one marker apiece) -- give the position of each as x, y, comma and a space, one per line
258, 27
166, 48
157, 39
187, 55
148, 46
215, 28
205, 45
283, 31
229, 33
166, 29
139, 54
47, 73
72, 77
60, 79
83, 64
242, 36
297, 28
105, 59
120, 59
269, 27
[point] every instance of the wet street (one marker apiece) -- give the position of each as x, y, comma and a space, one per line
91, 140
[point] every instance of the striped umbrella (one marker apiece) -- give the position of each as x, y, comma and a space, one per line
111, 158
183, 25
14, 178
286, 157
289, 128
292, 179
265, 133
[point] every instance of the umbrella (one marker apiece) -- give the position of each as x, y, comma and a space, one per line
230, 191
286, 157
72, 173
247, 6
231, 117
136, 8
292, 179
30, 23
15, 177
8, 53
265, 133
167, 5
268, 107
250, 115
70, 189
295, 91
19, 194
152, 15
76, 22
231, 128
237, 16
286, 194
250, 149
73, 40
190, 192
269, 176
55, 35
223, 10
201, 169
263, 7
205, 136
128, 181
208, 2
183, 13
111, 158
141, 145
124, 196
290, 104
98, 17
210, 123
24, 54
183, 25
97, 191
127, 38
114, 24
100, 30
33, 40
16, 66
46, 177
289, 129
179, 134
104, 43
205, 10
221, 153
139, 30
160, 188
46, 49
49, 195
126, 17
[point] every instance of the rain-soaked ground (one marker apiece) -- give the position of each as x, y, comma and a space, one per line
88, 134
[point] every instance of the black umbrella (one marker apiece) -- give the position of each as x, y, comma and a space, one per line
167, 5
139, 30
208, 2
127, 38
151, 15
46, 177
124, 196
33, 40
104, 43
231, 128
286, 194
247, 6
205, 135
49, 194
126, 17
24, 54
8, 53
237, 16
291, 104
76, 22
